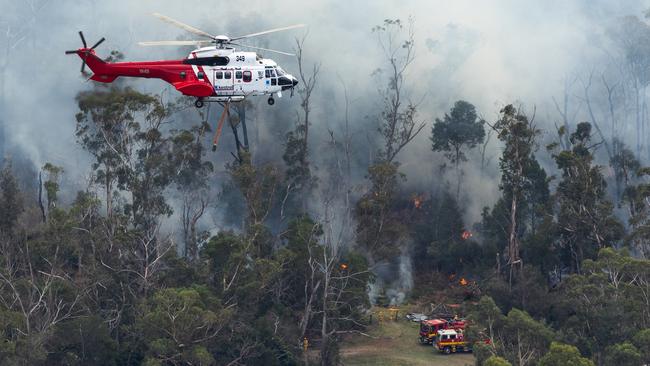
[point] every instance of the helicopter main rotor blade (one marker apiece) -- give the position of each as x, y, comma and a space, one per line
268, 31
263, 49
184, 26
174, 43
83, 40
98, 43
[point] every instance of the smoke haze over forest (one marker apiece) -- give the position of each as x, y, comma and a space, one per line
489, 53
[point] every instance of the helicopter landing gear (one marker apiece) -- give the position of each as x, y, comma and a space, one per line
271, 101
198, 103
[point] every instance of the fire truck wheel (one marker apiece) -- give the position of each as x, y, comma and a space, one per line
198, 103
447, 350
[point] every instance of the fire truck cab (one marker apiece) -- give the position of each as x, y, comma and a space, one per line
451, 341
429, 328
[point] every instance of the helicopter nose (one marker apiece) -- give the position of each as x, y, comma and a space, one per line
287, 82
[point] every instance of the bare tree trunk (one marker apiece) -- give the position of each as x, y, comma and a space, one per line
513, 244
637, 109
311, 291
326, 285
109, 195
483, 150
306, 317
519, 355
3, 111
644, 121
610, 104
192, 211
564, 112
593, 117
457, 173
308, 84
40, 195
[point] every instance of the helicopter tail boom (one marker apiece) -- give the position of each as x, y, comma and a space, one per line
175, 72
181, 75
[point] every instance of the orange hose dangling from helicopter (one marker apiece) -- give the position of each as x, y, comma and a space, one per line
225, 112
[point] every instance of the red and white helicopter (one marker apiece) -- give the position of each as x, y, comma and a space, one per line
211, 73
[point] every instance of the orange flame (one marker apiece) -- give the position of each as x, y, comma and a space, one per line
417, 201
343, 266
466, 234
463, 282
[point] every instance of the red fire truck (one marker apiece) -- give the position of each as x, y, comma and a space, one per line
452, 341
429, 328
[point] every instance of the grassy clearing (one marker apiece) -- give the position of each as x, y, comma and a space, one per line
396, 343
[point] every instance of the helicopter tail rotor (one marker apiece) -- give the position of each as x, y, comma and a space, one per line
85, 50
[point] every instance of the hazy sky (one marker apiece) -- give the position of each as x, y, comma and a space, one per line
487, 52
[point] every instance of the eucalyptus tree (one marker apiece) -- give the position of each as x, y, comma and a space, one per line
457, 131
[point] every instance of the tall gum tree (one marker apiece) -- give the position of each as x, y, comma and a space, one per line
584, 216
519, 135
460, 129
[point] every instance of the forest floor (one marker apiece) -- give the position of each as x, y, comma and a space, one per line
396, 343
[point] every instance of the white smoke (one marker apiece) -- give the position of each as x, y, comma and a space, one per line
395, 283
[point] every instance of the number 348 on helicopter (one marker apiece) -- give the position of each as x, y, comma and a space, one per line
214, 72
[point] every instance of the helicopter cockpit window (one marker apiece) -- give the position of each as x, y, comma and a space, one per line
280, 71
267, 72
227, 75
237, 74
219, 75
248, 76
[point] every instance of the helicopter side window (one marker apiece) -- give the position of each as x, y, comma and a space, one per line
248, 76
207, 61
238, 75
219, 75
274, 81
227, 75
260, 74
